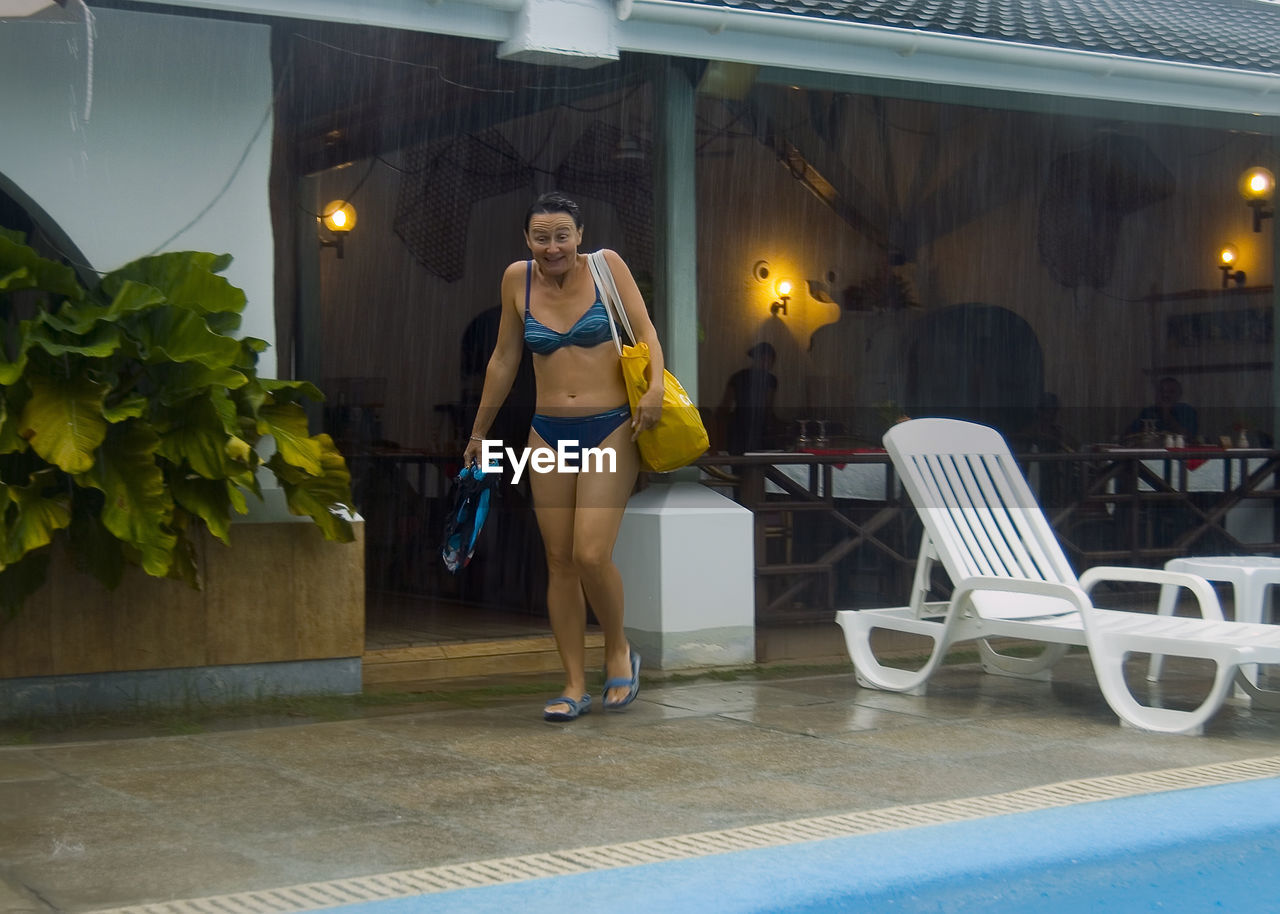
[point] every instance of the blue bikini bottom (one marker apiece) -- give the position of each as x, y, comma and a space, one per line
588, 431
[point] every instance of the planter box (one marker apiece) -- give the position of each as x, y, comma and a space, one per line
281, 612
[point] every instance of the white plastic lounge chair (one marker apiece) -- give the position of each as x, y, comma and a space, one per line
1011, 579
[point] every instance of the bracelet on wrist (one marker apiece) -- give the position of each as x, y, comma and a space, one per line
476, 438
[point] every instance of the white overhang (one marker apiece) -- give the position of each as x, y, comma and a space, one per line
788, 41
56, 10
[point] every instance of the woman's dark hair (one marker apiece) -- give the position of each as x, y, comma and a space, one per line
553, 202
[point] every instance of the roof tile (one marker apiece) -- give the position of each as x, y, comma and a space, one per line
1240, 34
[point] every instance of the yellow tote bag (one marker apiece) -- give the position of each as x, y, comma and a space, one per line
679, 438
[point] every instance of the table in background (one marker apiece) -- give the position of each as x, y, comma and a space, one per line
840, 510
858, 481
1207, 499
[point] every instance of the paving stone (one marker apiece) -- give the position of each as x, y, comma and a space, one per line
15, 899
128, 821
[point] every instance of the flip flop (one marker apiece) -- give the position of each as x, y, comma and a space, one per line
576, 708
619, 681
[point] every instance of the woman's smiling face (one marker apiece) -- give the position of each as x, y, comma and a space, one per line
553, 239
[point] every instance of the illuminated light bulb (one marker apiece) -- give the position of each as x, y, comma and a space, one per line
339, 216
1257, 183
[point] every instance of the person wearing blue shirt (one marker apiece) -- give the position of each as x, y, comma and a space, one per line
1171, 415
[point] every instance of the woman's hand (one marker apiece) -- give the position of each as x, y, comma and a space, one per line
471, 455
648, 412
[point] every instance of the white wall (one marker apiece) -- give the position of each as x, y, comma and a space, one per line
124, 153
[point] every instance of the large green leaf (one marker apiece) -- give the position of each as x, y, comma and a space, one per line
289, 391
226, 322
131, 407
187, 278
11, 370
239, 450
185, 566
22, 268
173, 335
10, 412
207, 499
130, 298
198, 439
137, 507
180, 382
225, 407
319, 496
37, 518
98, 342
250, 346
244, 481
287, 423
251, 398
63, 420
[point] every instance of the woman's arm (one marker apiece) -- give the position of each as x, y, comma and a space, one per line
503, 363
649, 409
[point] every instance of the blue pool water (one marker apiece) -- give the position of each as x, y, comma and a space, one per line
1204, 849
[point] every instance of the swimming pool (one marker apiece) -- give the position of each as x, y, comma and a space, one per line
1201, 849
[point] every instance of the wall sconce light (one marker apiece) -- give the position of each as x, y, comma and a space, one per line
1227, 258
1256, 186
339, 217
784, 296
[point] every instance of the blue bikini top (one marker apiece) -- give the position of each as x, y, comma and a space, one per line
591, 329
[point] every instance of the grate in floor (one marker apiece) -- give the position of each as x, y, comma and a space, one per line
409, 883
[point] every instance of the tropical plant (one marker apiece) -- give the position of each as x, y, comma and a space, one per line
130, 418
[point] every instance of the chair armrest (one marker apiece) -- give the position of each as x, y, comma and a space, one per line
1204, 593
1077, 597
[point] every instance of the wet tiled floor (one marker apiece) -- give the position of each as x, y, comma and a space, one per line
98, 824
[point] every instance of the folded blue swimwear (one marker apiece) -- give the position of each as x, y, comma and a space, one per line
472, 490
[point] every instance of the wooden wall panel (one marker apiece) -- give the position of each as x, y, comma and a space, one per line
250, 595
279, 592
26, 646
329, 595
158, 623
80, 619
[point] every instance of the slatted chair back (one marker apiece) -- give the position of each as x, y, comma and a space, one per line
977, 509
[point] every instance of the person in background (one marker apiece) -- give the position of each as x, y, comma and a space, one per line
1171, 415
747, 405
580, 396
1046, 434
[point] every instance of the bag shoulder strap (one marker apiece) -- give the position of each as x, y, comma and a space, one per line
603, 277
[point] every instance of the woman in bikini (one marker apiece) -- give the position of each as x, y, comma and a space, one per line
551, 304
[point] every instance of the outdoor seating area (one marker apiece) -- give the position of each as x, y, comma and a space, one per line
853, 538
1010, 579
975, 303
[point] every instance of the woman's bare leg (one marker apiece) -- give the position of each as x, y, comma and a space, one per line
554, 499
602, 499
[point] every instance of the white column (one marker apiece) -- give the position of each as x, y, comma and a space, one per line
687, 560
676, 270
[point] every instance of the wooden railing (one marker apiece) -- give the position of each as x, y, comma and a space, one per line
822, 544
